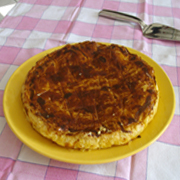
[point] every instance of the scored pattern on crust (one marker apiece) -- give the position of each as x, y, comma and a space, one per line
83, 94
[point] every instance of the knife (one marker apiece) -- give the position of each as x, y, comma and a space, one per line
154, 30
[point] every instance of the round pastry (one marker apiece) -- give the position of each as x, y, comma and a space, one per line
90, 95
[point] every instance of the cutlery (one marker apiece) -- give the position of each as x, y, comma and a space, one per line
154, 30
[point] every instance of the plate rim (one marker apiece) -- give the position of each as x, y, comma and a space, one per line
42, 54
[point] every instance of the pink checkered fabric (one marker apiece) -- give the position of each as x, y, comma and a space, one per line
33, 26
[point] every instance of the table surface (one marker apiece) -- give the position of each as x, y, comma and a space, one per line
33, 26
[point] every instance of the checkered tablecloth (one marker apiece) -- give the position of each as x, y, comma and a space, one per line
33, 26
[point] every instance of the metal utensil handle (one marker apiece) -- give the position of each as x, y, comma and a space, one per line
121, 16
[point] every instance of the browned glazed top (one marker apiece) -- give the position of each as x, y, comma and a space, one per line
91, 86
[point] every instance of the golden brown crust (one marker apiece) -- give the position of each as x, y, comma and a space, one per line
90, 95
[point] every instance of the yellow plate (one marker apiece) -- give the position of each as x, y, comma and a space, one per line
15, 117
